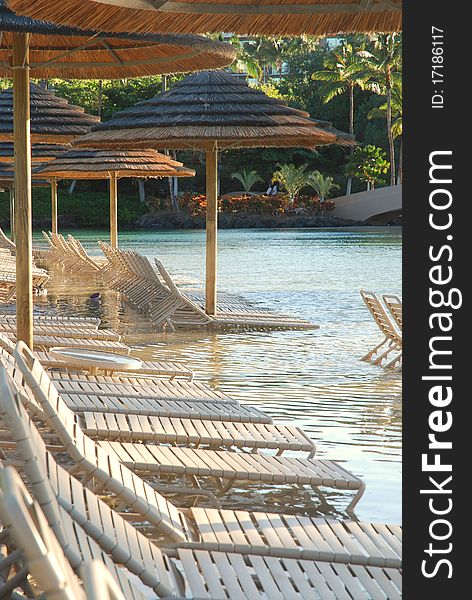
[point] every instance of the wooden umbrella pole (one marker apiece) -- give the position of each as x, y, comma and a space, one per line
12, 212
211, 229
113, 211
54, 205
23, 222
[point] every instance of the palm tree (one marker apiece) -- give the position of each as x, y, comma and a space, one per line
344, 71
383, 64
397, 121
321, 184
247, 179
292, 178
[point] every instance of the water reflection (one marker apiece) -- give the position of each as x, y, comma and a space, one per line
313, 378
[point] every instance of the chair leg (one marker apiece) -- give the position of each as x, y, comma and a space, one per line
369, 354
392, 363
379, 359
356, 498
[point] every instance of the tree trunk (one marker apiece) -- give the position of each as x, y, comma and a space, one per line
391, 143
100, 98
351, 131
141, 190
400, 163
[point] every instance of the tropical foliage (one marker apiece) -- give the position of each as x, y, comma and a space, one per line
369, 164
247, 179
323, 185
292, 178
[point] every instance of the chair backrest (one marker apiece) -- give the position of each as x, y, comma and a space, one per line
164, 515
395, 307
5, 242
383, 321
6, 345
35, 539
99, 583
62, 498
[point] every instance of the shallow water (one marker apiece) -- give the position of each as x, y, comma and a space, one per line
312, 378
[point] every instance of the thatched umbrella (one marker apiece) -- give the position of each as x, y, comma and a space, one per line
112, 165
39, 152
211, 111
53, 121
51, 51
85, 54
268, 17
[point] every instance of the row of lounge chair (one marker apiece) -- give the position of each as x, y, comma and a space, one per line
152, 290
388, 318
94, 477
8, 273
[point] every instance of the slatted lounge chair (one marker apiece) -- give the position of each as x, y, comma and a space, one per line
139, 386
156, 368
392, 341
175, 430
44, 547
159, 369
44, 342
263, 534
156, 293
6, 243
395, 307
77, 246
154, 407
56, 321
224, 467
71, 255
66, 331
201, 575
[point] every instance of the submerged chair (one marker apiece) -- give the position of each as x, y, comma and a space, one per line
267, 535
93, 405
395, 307
224, 467
155, 292
392, 341
159, 369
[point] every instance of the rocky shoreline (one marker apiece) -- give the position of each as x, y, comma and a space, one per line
166, 220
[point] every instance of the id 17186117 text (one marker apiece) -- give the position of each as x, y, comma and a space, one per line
437, 67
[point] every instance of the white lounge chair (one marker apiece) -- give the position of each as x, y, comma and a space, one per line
392, 341
330, 541
195, 465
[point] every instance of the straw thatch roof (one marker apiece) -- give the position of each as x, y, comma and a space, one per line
71, 53
102, 164
267, 17
7, 177
53, 119
39, 152
208, 108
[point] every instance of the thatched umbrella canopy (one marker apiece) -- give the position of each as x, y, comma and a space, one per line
268, 17
71, 53
210, 111
112, 165
39, 152
54, 122
53, 119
